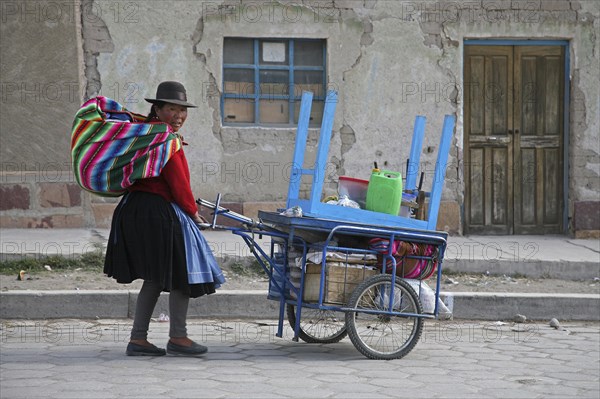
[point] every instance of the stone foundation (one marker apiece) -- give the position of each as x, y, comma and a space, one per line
30, 203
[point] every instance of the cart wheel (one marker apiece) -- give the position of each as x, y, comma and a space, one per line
375, 334
318, 326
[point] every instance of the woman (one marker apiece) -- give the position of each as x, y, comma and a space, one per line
154, 237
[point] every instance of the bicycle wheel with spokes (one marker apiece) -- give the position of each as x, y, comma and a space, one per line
374, 333
318, 326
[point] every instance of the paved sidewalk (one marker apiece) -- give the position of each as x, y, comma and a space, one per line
533, 256
468, 359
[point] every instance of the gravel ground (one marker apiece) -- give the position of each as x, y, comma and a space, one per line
91, 280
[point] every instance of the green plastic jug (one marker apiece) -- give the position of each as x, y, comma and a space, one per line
384, 193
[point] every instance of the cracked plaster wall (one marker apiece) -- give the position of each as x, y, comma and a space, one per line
364, 40
259, 158
39, 88
244, 164
390, 61
40, 91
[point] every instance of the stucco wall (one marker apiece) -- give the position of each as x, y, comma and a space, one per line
389, 61
40, 90
40, 70
365, 43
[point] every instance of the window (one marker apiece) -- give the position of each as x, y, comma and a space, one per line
263, 80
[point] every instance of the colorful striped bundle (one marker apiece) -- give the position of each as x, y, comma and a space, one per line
111, 147
412, 260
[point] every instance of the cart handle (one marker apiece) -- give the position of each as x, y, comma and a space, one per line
226, 212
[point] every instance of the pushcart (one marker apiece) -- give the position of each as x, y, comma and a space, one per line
380, 311
337, 271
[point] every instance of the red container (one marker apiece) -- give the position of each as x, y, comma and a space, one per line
355, 189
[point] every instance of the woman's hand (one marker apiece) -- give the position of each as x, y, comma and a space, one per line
197, 218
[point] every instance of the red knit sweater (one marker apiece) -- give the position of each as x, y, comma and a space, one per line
173, 184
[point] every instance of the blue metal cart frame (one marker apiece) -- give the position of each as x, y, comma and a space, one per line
381, 306
287, 232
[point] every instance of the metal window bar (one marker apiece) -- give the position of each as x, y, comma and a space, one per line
291, 67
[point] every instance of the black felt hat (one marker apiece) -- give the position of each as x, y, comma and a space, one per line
171, 92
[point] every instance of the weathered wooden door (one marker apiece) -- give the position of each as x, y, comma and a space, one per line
513, 125
488, 151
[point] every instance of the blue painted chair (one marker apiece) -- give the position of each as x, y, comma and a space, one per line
412, 168
313, 207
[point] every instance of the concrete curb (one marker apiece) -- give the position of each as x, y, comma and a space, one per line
535, 306
255, 305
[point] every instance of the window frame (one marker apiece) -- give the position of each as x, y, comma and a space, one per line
257, 68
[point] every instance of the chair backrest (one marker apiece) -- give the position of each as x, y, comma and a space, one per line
416, 146
440, 171
300, 148
318, 170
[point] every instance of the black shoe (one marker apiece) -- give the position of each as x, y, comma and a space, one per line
142, 350
193, 350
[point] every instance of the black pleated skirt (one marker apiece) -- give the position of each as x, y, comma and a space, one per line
146, 242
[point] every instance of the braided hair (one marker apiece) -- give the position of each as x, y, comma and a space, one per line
153, 116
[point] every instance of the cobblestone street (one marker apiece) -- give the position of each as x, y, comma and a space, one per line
453, 359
